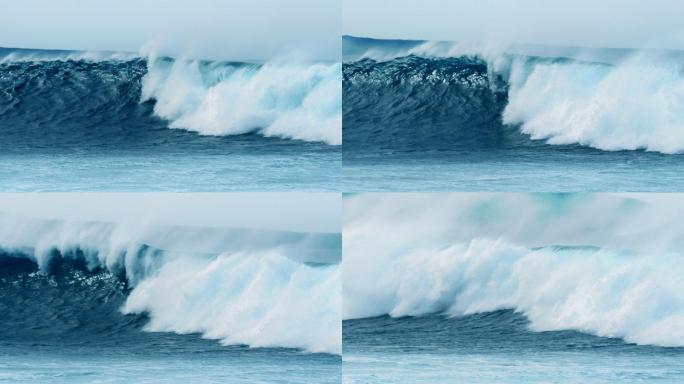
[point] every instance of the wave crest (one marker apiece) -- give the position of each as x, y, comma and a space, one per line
17, 55
609, 99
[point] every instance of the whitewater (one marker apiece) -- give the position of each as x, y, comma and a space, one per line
279, 98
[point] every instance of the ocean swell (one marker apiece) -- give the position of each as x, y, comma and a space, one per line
633, 297
106, 99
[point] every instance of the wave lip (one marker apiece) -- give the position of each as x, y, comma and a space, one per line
265, 301
296, 101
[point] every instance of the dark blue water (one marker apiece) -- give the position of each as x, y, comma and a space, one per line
494, 347
422, 122
83, 125
66, 327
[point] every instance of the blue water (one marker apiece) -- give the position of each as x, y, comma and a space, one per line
66, 327
494, 347
568, 169
434, 121
70, 123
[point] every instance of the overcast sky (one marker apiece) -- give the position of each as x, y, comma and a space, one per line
300, 212
227, 29
593, 23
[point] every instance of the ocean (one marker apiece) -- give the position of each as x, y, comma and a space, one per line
110, 302
437, 116
495, 347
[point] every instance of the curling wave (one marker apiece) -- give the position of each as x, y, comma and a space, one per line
493, 97
183, 279
275, 99
605, 265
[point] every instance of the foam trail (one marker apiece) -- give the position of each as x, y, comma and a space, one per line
258, 291
465, 256
297, 101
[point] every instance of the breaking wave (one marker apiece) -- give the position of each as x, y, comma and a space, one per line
246, 287
604, 265
474, 95
275, 99
101, 98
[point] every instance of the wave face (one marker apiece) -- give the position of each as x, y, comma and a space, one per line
61, 99
91, 277
604, 265
414, 103
448, 96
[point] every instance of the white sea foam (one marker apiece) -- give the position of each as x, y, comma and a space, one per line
605, 99
606, 265
635, 105
281, 99
261, 300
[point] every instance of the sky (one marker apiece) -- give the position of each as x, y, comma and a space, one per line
219, 29
578, 23
298, 212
